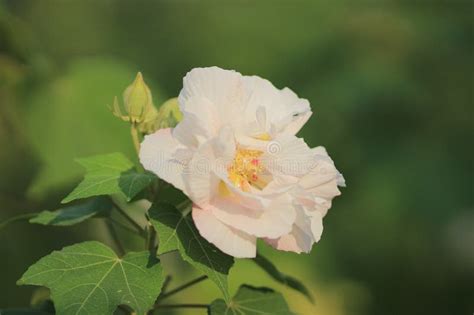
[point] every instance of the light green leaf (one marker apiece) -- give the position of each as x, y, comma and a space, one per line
109, 174
89, 278
289, 281
176, 231
252, 301
74, 214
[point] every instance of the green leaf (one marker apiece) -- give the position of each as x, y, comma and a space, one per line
74, 214
89, 278
23, 311
289, 281
109, 174
252, 301
177, 232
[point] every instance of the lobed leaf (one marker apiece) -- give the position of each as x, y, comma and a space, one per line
74, 214
284, 279
177, 232
252, 301
109, 174
89, 278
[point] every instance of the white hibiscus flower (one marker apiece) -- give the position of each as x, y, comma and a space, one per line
236, 156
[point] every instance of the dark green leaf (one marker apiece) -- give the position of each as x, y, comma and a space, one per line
289, 281
176, 231
89, 278
74, 214
109, 174
252, 301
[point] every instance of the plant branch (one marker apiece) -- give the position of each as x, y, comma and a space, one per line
115, 238
20, 217
135, 137
137, 226
123, 226
182, 287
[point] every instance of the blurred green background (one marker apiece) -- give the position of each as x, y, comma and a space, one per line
390, 84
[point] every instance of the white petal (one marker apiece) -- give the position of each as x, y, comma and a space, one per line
161, 154
283, 107
200, 176
224, 237
274, 221
288, 155
222, 88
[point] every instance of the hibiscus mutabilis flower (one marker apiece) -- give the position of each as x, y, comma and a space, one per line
236, 156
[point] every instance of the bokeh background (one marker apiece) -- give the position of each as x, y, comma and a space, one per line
390, 84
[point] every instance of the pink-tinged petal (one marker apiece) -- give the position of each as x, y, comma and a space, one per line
229, 240
305, 232
274, 221
161, 154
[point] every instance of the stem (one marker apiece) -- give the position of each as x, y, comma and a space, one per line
151, 241
182, 306
115, 238
20, 217
123, 226
182, 287
135, 137
137, 226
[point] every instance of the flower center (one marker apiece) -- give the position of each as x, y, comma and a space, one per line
246, 169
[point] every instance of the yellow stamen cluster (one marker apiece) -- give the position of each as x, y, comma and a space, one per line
246, 169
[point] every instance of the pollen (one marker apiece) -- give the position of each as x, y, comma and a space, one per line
245, 169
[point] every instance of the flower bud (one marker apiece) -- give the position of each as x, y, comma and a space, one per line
137, 100
138, 106
169, 114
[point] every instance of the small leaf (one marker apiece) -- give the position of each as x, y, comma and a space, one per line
89, 278
74, 214
176, 231
289, 281
252, 301
109, 174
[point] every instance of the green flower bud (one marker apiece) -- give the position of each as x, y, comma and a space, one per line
169, 114
138, 103
137, 99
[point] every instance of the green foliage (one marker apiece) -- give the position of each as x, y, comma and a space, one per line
176, 231
70, 215
89, 278
277, 275
109, 174
252, 301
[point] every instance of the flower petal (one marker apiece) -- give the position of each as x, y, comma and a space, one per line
288, 155
274, 221
305, 232
282, 108
161, 154
229, 240
222, 89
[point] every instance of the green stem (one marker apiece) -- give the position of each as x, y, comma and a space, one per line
20, 217
135, 137
123, 226
182, 287
151, 240
137, 226
115, 238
